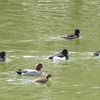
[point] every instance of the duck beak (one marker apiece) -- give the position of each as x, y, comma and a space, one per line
43, 66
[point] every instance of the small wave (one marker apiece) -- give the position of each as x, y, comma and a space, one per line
20, 81
28, 56
82, 53
4, 73
78, 85
26, 41
95, 87
56, 38
10, 80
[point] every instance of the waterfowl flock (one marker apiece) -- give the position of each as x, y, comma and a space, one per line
37, 71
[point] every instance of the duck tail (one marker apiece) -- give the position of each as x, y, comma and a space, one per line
19, 72
50, 57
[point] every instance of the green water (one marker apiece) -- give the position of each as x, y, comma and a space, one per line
31, 30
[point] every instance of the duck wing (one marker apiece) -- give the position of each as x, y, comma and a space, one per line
57, 55
40, 80
70, 36
60, 55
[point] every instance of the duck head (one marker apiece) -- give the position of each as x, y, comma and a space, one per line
48, 76
77, 32
2, 54
39, 66
65, 52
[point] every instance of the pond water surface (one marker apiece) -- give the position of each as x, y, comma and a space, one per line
31, 30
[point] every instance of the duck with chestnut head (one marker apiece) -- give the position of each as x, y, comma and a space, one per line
33, 72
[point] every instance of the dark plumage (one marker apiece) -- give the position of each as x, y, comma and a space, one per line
97, 53
72, 36
2, 56
62, 54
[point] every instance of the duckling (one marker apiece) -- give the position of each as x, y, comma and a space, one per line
43, 80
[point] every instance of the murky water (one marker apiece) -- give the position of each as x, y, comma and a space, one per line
31, 30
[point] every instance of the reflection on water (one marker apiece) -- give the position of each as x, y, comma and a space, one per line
77, 42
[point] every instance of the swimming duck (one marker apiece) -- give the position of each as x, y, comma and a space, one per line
63, 55
72, 36
43, 80
2, 56
97, 53
36, 72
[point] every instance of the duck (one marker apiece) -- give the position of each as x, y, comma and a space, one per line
2, 56
63, 55
72, 36
43, 80
32, 72
97, 53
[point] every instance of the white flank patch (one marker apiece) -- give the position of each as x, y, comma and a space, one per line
58, 58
